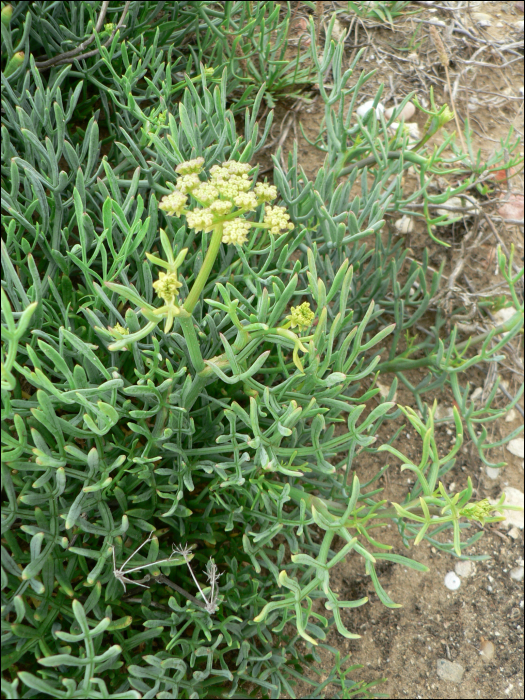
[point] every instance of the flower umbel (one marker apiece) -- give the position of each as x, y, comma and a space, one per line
225, 199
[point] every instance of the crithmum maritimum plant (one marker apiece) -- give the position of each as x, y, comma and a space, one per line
236, 429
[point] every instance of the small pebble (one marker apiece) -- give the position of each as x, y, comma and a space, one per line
463, 568
516, 573
516, 447
511, 415
492, 473
450, 671
519, 25
514, 533
407, 111
476, 394
363, 109
504, 314
452, 582
486, 651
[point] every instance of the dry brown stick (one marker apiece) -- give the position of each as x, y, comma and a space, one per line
443, 57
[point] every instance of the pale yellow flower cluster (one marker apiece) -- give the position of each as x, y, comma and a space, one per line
225, 198
301, 316
173, 203
236, 231
277, 219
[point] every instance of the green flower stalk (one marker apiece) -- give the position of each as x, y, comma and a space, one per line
219, 205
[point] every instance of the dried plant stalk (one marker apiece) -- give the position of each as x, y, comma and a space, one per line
443, 57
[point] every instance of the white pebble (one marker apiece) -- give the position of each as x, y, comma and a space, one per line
492, 473
519, 25
476, 394
363, 109
514, 533
452, 582
517, 573
504, 314
516, 447
511, 415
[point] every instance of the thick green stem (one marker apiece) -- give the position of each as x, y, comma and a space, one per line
204, 273
186, 321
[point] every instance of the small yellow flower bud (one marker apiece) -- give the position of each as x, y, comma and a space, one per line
117, 328
477, 511
167, 286
301, 316
205, 193
221, 207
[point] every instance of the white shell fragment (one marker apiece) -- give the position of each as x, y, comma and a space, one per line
404, 225
516, 447
363, 109
486, 651
452, 582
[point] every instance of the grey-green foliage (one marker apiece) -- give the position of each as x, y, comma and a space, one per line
101, 448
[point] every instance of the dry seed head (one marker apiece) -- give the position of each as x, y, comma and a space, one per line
440, 46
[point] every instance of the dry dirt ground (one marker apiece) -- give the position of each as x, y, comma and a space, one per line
405, 645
